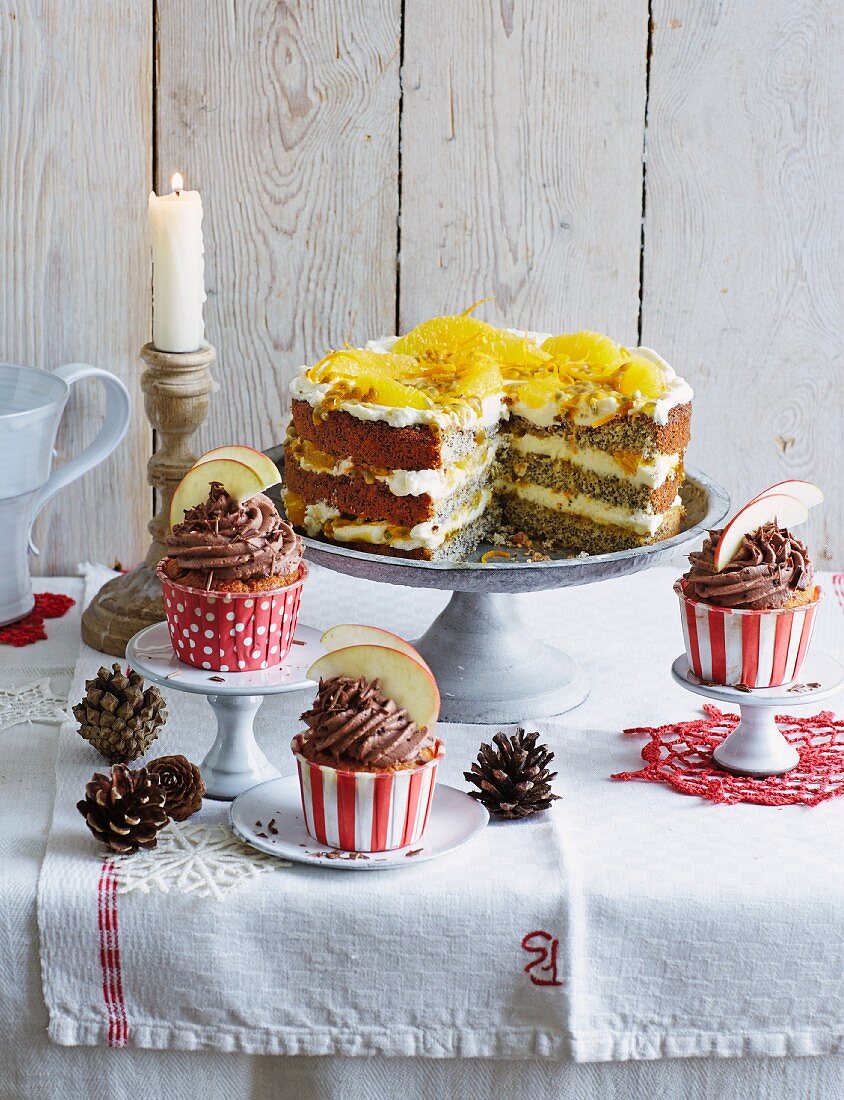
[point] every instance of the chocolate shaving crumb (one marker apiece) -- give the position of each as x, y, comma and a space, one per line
415, 852
263, 836
743, 687
271, 827
218, 679
259, 824
298, 641
172, 675
335, 853
800, 689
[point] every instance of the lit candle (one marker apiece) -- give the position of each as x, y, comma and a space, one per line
178, 289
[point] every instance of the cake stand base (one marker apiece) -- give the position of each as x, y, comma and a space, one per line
756, 747
490, 668
234, 762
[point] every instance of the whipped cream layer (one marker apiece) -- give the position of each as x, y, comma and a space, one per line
652, 472
598, 410
678, 392
428, 536
453, 418
643, 521
438, 484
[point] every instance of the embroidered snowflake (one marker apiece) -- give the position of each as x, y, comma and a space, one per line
204, 859
31, 703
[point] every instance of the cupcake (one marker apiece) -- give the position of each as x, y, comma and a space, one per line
749, 600
368, 760
233, 574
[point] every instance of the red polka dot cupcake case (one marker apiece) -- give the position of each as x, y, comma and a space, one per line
232, 632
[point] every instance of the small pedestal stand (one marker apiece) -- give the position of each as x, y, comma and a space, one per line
235, 762
176, 388
756, 747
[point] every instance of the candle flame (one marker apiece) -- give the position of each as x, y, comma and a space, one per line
177, 183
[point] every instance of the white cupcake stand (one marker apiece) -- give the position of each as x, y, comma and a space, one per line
756, 747
235, 762
487, 661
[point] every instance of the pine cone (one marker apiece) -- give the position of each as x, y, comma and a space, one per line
182, 785
125, 809
513, 777
118, 717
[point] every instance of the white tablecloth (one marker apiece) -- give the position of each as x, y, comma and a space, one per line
661, 933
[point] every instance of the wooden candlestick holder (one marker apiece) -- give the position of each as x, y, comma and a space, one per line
176, 388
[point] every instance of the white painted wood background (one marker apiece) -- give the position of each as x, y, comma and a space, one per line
367, 163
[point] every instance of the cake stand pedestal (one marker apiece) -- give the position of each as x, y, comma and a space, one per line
487, 661
490, 667
234, 762
756, 747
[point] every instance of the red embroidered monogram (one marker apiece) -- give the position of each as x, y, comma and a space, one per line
118, 1025
543, 969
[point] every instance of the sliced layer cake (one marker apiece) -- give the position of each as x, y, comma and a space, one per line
420, 446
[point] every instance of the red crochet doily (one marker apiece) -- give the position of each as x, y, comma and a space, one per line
29, 629
680, 755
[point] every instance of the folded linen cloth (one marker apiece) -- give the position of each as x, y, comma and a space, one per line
627, 922
202, 943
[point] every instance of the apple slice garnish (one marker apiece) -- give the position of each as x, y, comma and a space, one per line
786, 511
403, 679
263, 466
240, 481
349, 634
805, 491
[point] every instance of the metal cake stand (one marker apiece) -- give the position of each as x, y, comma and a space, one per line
486, 659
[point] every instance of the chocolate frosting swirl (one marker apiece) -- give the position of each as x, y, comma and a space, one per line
229, 541
768, 571
353, 720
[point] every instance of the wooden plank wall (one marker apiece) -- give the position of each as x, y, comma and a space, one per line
743, 274
342, 200
75, 156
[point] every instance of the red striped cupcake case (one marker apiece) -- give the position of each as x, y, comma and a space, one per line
232, 631
754, 648
366, 811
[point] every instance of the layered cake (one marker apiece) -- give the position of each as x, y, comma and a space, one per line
422, 445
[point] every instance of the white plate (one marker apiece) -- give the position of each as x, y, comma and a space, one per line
455, 819
151, 652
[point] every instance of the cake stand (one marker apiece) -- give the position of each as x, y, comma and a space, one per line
234, 762
756, 747
487, 662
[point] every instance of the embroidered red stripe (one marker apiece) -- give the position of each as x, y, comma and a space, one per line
782, 638
318, 802
381, 812
694, 645
412, 806
717, 646
346, 785
118, 1026
750, 648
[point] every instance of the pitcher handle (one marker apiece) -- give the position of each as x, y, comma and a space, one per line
117, 415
